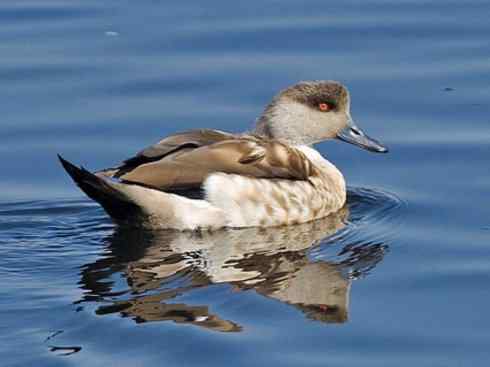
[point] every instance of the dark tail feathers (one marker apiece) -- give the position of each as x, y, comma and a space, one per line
96, 188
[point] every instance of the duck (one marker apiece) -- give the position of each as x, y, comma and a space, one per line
206, 179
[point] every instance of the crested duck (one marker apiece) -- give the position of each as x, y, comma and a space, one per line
205, 179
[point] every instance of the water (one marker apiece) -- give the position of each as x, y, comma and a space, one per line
399, 278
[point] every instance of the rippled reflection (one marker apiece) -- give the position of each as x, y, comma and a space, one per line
289, 264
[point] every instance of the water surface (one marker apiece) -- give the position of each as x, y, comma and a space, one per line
399, 277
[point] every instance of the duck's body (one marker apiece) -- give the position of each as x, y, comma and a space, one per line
272, 177
204, 185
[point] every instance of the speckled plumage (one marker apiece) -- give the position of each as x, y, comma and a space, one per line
274, 202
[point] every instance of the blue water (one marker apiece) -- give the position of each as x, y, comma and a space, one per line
398, 278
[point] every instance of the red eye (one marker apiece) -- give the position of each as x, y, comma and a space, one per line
324, 107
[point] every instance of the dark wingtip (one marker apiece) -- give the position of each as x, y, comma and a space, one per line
78, 174
95, 188
70, 168
63, 161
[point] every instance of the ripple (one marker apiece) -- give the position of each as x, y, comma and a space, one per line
153, 297
40, 207
371, 211
371, 226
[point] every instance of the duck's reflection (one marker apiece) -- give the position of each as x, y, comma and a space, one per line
160, 267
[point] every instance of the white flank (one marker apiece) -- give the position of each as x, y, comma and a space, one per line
250, 202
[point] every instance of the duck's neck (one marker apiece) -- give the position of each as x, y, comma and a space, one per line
289, 122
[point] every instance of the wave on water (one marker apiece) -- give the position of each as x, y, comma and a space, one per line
371, 227
141, 274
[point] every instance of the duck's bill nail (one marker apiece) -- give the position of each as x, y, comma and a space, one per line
352, 134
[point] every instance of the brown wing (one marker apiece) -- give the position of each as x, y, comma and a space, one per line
185, 160
170, 145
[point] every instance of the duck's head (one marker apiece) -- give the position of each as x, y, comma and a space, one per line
311, 112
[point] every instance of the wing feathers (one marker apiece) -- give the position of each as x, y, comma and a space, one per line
255, 154
186, 159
